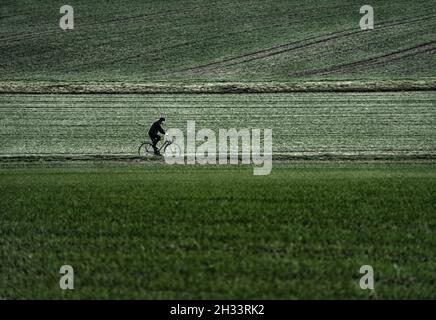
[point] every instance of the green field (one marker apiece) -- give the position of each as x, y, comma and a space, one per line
150, 230
157, 231
353, 116
306, 124
248, 40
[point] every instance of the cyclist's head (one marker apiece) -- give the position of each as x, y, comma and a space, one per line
161, 119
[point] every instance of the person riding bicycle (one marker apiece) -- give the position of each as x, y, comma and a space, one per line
156, 128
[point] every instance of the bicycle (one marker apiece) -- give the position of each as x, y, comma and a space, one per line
169, 149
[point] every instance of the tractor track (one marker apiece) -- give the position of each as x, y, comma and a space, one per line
283, 48
132, 18
192, 42
168, 14
385, 58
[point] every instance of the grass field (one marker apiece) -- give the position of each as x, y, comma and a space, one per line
248, 40
157, 231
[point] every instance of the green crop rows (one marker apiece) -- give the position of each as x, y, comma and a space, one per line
352, 123
158, 231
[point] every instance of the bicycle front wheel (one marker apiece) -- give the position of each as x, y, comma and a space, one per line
172, 150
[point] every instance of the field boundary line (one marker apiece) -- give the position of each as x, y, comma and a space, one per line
325, 156
24, 87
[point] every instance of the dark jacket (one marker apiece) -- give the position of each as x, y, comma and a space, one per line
156, 128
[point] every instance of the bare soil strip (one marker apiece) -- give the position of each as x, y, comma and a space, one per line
24, 87
67, 158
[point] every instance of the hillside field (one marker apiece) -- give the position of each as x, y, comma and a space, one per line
204, 41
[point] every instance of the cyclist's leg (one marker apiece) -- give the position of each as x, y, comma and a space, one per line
158, 138
155, 139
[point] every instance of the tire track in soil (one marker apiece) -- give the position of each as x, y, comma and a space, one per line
385, 58
261, 54
186, 43
168, 13
249, 56
141, 17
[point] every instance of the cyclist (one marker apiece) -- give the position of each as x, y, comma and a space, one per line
156, 128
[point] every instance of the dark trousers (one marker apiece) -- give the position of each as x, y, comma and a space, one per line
155, 138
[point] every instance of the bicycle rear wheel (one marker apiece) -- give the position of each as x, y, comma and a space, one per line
146, 150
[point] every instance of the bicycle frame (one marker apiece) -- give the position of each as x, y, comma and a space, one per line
163, 147
165, 144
